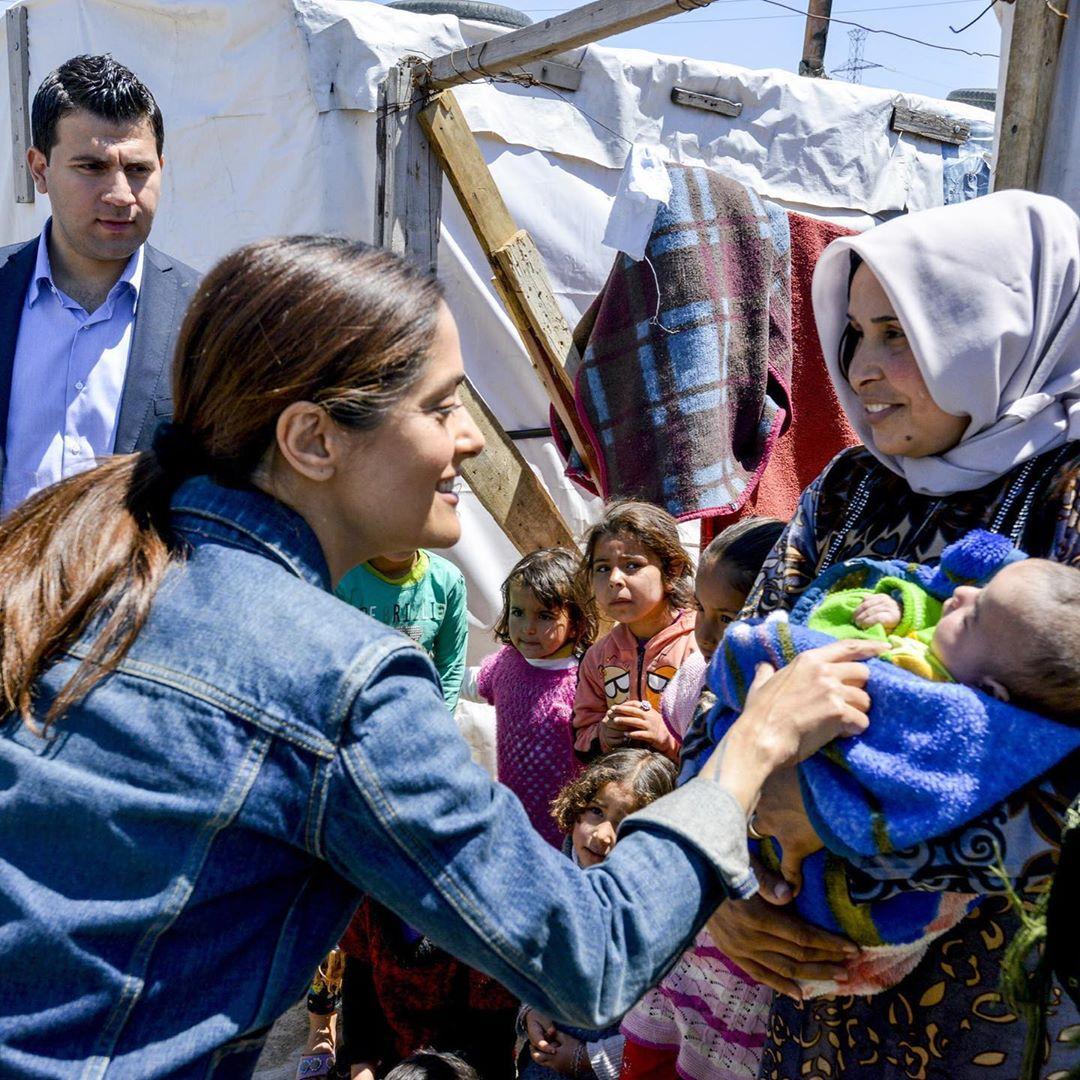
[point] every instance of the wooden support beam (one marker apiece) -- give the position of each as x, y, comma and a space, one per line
815, 39
1029, 92
407, 219
581, 26
515, 262
508, 489
18, 58
408, 199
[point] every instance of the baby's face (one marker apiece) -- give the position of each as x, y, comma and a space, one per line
979, 631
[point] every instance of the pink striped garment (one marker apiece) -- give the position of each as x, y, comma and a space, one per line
710, 1011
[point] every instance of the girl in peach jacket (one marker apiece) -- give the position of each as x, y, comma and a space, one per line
642, 579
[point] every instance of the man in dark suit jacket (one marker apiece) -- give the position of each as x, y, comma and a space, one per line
89, 312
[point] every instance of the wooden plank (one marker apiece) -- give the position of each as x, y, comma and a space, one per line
465, 168
581, 26
1060, 172
18, 58
693, 99
408, 197
930, 125
515, 262
408, 214
1029, 92
549, 341
542, 346
549, 73
508, 489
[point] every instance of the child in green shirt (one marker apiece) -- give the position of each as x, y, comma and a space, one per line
423, 596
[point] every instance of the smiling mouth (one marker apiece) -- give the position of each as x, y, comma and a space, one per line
877, 411
449, 486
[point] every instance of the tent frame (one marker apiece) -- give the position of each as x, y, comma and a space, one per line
423, 136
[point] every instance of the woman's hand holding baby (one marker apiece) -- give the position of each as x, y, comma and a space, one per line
781, 813
778, 948
791, 713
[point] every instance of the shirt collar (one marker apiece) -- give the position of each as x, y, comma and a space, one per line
249, 518
132, 275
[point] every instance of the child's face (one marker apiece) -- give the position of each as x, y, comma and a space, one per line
594, 834
976, 637
628, 581
719, 604
537, 632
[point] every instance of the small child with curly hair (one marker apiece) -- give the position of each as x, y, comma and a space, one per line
588, 811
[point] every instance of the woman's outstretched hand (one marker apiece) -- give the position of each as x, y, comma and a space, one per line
791, 713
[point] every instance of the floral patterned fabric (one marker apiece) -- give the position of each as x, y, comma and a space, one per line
946, 1019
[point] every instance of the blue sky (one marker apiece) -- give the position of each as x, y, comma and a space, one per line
757, 34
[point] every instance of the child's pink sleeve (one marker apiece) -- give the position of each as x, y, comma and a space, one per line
590, 702
485, 677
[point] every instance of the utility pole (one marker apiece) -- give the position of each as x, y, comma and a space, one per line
817, 33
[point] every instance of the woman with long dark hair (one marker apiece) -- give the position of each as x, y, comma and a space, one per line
206, 758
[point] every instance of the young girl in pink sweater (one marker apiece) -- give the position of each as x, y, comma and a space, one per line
545, 626
642, 579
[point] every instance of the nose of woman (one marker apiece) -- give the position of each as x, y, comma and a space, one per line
468, 439
865, 368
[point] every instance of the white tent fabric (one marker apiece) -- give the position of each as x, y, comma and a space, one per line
270, 129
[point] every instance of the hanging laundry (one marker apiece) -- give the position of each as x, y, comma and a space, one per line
684, 381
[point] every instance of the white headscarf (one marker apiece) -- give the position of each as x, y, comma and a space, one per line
988, 293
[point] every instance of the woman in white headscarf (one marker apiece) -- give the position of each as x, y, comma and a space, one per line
953, 338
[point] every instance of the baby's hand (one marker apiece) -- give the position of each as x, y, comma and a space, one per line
878, 610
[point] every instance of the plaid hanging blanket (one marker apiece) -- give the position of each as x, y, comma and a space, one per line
683, 387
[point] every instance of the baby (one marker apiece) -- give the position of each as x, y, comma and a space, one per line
986, 619
1017, 638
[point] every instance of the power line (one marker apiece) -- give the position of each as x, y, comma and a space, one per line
889, 33
751, 18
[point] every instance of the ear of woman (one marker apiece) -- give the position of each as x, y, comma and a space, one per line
308, 443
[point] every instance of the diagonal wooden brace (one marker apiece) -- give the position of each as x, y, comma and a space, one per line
407, 220
508, 489
519, 272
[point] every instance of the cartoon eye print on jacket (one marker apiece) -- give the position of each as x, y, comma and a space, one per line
616, 685
656, 682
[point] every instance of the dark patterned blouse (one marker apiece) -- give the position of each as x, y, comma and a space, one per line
946, 1019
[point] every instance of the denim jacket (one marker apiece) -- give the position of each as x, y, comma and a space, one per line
192, 837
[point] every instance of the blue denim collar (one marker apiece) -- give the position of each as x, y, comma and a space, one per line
252, 519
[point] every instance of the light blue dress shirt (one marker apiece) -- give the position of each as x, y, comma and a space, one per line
67, 380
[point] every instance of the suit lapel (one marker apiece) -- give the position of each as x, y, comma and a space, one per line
148, 363
15, 276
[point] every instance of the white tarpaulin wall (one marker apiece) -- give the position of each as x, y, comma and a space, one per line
270, 129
